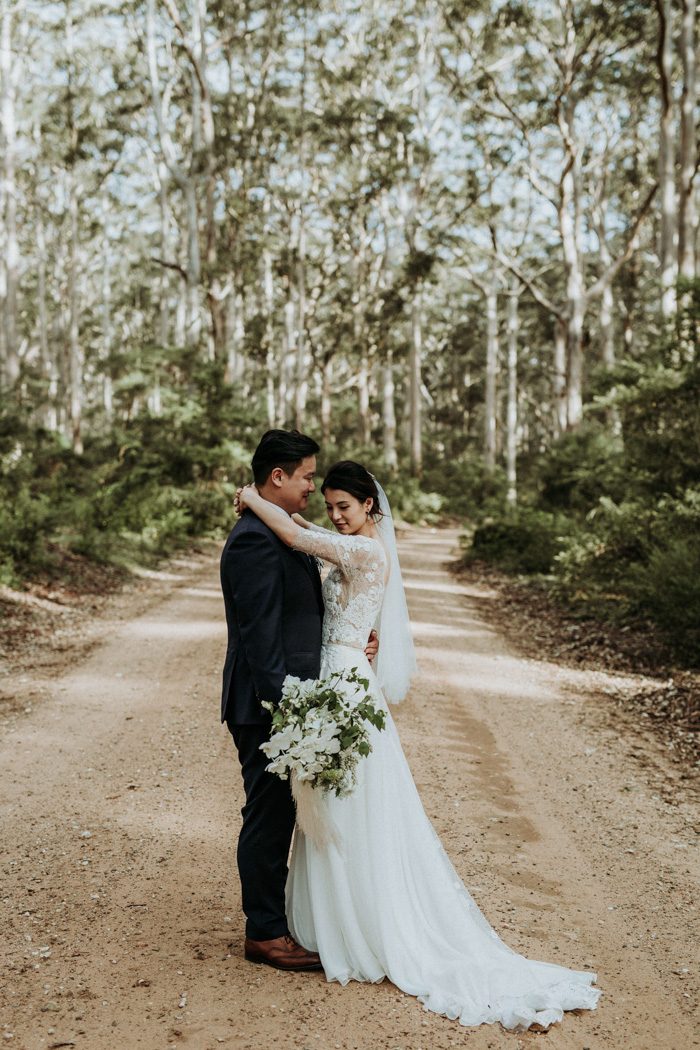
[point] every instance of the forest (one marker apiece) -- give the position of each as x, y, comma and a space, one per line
454, 239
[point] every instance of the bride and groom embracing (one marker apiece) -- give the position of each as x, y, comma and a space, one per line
377, 897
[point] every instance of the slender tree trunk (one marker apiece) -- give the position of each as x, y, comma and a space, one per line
570, 216
687, 205
233, 325
75, 350
363, 398
164, 283
193, 329
48, 362
570, 228
389, 415
668, 247
326, 384
302, 378
607, 326
269, 307
512, 402
106, 369
490, 427
559, 385
186, 181
607, 299
206, 120
415, 367
8, 81
155, 404
287, 354
360, 337
180, 317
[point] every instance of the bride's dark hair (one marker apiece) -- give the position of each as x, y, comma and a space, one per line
356, 480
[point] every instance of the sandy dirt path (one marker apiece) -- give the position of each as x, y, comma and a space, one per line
121, 922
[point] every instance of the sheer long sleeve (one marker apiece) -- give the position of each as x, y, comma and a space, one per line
347, 552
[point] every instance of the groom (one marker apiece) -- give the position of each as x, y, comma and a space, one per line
274, 613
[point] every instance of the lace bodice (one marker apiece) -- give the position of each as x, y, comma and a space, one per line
354, 588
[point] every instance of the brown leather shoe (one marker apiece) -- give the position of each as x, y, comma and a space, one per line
283, 953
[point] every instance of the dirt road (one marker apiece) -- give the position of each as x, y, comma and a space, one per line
121, 922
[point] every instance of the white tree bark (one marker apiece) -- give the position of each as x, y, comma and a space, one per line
48, 361
512, 328
559, 378
269, 307
389, 416
302, 376
490, 414
415, 369
107, 394
287, 355
164, 283
668, 241
569, 211
687, 204
75, 349
607, 301
8, 89
326, 404
185, 180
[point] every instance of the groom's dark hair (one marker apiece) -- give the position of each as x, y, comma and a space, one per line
281, 448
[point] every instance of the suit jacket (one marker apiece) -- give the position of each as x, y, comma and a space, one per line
274, 614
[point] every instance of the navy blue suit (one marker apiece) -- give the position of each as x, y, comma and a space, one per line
274, 614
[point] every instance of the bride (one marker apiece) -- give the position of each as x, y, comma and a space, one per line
370, 886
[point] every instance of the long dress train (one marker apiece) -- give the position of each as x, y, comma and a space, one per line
382, 899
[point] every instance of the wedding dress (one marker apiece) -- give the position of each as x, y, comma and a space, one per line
382, 899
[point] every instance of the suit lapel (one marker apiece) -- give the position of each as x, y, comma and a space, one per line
312, 569
307, 561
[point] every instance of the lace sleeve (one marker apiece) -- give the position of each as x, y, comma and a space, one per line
347, 552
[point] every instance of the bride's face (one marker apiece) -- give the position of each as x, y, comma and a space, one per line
346, 512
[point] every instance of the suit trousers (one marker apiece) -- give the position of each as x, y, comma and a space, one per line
265, 838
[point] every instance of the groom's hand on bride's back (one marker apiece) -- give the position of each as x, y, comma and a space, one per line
372, 647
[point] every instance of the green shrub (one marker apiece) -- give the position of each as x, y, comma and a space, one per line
466, 486
146, 486
522, 540
580, 468
25, 523
412, 502
595, 556
667, 590
661, 426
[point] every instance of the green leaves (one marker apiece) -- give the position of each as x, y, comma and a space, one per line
320, 729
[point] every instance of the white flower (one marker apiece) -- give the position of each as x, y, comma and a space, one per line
308, 745
281, 740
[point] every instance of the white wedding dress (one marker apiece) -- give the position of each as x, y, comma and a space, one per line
382, 900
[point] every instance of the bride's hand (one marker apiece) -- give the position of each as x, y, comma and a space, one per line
243, 495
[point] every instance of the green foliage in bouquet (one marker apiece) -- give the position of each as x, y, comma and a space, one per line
320, 730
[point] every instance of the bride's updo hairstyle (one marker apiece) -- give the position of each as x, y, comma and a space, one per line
356, 480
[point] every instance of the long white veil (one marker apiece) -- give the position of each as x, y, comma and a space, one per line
396, 660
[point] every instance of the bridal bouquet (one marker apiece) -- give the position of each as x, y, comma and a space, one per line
320, 730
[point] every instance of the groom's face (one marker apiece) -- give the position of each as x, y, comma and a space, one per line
296, 488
